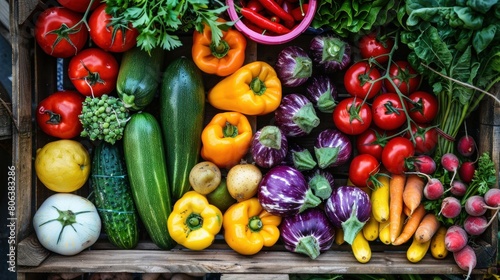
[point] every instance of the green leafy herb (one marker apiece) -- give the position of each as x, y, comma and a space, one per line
159, 21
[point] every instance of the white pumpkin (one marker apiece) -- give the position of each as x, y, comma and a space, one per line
67, 224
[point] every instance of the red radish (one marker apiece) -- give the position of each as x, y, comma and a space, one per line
466, 259
466, 171
458, 188
433, 189
451, 163
466, 146
475, 225
424, 164
476, 206
450, 207
492, 197
456, 238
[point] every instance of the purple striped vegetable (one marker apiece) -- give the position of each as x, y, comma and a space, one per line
309, 233
321, 182
322, 93
330, 53
299, 157
269, 146
332, 148
284, 191
293, 66
295, 116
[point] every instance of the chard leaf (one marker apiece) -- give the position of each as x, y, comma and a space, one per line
483, 38
469, 19
481, 6
429, 47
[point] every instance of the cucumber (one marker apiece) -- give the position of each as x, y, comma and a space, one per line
139, 77
113, 197
147, 171
182, 109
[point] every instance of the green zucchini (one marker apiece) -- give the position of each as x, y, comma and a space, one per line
147, 171
139, 77
113, 197
182, 109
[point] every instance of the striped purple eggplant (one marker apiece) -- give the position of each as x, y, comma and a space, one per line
330, 53
299, 157
322, 93
321, 182
296, 116
284, 191
348, 208
309, 233
332, 148
293, 66
269, 146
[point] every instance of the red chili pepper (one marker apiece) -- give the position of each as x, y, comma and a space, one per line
275, 9
263, 22
252, 26
254, 5
300, 12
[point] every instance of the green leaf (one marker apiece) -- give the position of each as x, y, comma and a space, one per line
469, 18
483, 38
481, 6
429, 47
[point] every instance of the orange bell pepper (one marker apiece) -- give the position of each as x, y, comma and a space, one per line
220, 59
226, 139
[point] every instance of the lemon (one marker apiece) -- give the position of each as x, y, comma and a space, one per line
62, 165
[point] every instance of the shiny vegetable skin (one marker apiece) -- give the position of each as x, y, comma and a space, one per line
269, 146
113, 196
182, 108
147, 171
296, 116
332, 148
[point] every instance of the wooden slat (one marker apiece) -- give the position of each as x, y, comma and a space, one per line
254, 277
24, 10
228, 262
30, 252
4, 13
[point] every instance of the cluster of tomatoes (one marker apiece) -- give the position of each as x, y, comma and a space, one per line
84, 33
390, 117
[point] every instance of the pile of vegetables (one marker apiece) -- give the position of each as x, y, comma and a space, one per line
358, 148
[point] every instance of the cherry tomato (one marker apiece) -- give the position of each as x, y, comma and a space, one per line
424, 137
406, 79
388, 111
113, 38
59, 32
57, 114
362, 168
79, 6
372, 141
362, 80
352, 116
93, 72
395, 153
424, 107
372, 46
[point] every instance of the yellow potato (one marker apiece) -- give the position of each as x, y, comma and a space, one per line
204, 177
243, 180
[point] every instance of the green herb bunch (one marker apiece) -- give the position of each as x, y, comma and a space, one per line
158, 21
103, 118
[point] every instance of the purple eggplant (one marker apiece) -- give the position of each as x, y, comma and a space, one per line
321, 182
330, 53
309, 233
295, 116
293, 66
269, 146
322, 93
348, 208
284, 191
332, 148
299, 157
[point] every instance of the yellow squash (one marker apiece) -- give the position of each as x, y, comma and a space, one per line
361, 248
417, 250
380, 199
438, 247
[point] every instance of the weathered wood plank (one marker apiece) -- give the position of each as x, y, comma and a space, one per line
227, 262
30, 252
24, 10
4, 13
254, 277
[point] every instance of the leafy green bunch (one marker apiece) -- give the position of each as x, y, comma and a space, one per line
347, 17
159, 21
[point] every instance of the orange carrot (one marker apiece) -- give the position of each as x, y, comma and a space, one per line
396, 187
411, 225
427, 228
413, 192
406, 210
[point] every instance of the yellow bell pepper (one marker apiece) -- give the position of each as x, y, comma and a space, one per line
226, 139
254, 89
248, 227
194, 222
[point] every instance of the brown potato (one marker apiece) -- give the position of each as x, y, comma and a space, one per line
204, 177
243, 180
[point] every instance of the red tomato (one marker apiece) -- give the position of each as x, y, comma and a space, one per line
57, 32
57, 115
395, 153
352, 116
372, 46
113, 38
93, 72
406, 79
388, 111
362, 80
424, 137
424, 107
79, 6
372, 141
362, 168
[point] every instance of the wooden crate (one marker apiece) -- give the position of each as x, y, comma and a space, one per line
34, 77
